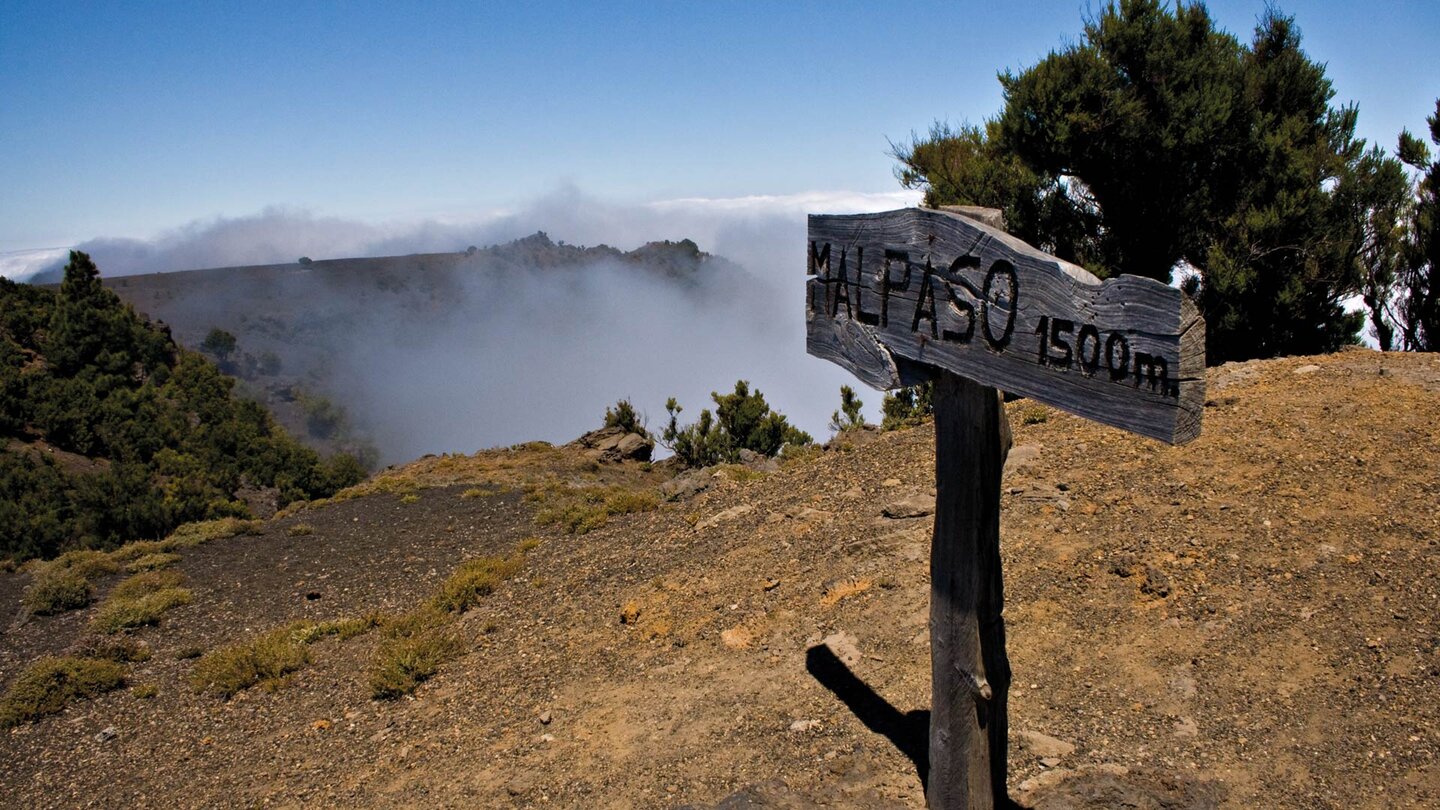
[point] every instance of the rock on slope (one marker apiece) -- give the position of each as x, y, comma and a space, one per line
1248, 620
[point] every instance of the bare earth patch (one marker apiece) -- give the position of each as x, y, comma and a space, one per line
1251, 620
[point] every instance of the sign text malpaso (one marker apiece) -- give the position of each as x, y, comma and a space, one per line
936, 289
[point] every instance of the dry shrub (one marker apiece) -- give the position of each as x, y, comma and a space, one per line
49, 684
137, 549
56, 591
235, 667
139, 601
580, 509
199, 533
474, 580
152, 562
90, 565
414, 647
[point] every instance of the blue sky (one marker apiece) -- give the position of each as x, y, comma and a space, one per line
129, 119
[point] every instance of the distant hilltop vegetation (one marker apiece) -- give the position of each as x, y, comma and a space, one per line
110, 432
302, 337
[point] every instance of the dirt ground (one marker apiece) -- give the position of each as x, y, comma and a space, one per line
1250, 620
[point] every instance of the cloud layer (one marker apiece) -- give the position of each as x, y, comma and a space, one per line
543, 360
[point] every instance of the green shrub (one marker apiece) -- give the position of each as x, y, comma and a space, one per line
742, 421
91, 376
152, 562
849, 416
625, 417
235, 667
414, 647
55, 591
472, 581
907, 407
49, 684
140, 600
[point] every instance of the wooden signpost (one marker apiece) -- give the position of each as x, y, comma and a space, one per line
907, 296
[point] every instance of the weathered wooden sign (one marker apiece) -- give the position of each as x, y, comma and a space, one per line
894, 295
912, 295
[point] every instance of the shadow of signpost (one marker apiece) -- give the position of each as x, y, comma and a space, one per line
908, 732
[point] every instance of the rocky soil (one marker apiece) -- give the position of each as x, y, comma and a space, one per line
1252, 619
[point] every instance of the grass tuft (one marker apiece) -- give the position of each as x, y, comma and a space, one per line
266, 660
472, 581
51, 683
56, 591
580, 509
139, 601
152, 562
230, 669
300, 530
413, 648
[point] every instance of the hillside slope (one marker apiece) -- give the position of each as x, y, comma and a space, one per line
313, 333
1249, 620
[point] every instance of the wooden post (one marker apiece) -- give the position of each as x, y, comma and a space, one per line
969, 669
902, 297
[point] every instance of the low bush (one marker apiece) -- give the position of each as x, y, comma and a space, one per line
228, 670
267, 659
142, 611
51, 683
54, 592
414, 647
140, 600
581, 509
88, 564
472, 581
152, 562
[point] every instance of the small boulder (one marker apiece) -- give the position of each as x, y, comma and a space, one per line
914, 506
612, 445
1043, 746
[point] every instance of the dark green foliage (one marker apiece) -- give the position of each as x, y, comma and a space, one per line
907, 407
84, 373
49, 684
1417, 310
849, 416
742, 421
1157, 141
323, 418
624, 416
218, 344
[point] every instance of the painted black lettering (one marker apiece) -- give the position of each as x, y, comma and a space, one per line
925, 305
1089, 361
888, 283
1118, 369
963, 309
1057, 326
1153, 370
1043, 330
993, 298
820, 260
841, 289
